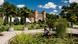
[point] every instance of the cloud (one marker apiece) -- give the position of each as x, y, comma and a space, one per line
54, 12
1, 2
40, 6
71, 1
48, 5
66, 1
59, 7
20, 6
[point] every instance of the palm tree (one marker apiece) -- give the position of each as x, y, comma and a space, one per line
9, 10
24, 13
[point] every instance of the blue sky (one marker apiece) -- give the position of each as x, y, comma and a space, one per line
50, 6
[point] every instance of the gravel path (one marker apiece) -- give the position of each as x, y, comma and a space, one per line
8, 35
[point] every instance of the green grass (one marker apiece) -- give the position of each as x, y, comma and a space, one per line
21, 27
29, 26
18, 27
35, 26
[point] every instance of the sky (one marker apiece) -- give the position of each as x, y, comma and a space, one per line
50, 6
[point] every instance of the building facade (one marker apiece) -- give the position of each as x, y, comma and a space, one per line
36, 16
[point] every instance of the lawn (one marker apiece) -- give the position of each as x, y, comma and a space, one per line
18, 27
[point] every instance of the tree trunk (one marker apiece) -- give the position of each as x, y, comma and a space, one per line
10, 20
7, 20
25, 21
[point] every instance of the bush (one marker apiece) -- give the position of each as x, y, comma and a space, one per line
35, 26
39, 39
3, 28
61, 26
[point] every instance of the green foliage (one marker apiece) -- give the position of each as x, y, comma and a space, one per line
3, 28
61, 26
73, 18
35, 26
51, 16
39, 39
22, 20
51, 19
51, 23
18, 27
1, 9
1, 21
70, 12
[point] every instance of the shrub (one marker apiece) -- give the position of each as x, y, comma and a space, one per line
39, 39
3, 28
35, 26
61, 26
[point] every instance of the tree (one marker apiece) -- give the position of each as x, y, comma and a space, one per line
70, 12
52, 16
24, 14
51, 19
9, 10
73, 18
